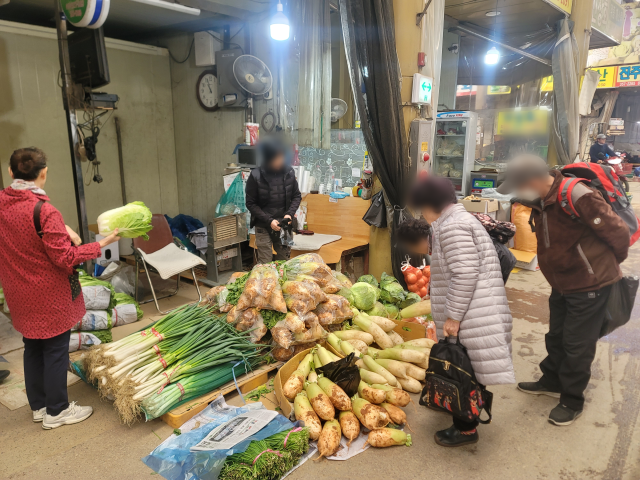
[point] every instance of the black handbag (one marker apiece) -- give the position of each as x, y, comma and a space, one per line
376, 215
620, 304
451, 385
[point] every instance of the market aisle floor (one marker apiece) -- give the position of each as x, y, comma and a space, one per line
519, 444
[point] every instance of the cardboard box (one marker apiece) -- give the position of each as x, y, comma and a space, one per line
481, 205
525, 260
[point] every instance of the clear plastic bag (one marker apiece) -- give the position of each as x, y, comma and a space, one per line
342, 278
335, 310
294, 323
309, 266
282, 335
223, 305
263, 290
211, 297
313, 334
249, 320
312, 331
302, 297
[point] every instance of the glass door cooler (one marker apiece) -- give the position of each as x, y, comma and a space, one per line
454, 153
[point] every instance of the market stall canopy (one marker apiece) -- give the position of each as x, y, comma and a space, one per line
526, 25
129, 20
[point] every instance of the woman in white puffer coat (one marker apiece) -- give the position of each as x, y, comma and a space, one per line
468, 298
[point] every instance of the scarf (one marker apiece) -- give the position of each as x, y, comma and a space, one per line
24, 185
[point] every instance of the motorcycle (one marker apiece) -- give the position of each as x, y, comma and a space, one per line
616, 164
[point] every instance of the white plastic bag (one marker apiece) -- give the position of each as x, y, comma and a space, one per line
82, 341
96, 297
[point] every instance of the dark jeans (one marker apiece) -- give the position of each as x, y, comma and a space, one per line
264, 244
575, 322
464, 426
45, 372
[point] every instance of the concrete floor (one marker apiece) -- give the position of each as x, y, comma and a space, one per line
519, 444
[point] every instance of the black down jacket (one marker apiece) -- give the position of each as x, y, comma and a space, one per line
260, 198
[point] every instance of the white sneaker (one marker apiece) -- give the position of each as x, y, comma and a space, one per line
38, 415
73, 414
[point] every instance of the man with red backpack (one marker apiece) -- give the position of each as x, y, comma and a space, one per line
581, 243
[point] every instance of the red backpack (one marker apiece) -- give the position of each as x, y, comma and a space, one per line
605, 180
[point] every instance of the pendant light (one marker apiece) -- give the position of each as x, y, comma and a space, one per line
279, 24
493, 54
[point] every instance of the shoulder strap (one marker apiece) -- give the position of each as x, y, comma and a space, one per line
36, 217
564, 196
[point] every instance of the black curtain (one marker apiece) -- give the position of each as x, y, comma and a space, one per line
370, 46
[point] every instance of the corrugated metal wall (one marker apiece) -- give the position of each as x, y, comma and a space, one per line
31, 114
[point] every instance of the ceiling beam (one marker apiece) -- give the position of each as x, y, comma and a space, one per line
489, 38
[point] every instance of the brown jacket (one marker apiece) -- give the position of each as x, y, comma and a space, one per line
579, 255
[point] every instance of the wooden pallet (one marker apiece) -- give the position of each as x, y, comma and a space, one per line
176, 417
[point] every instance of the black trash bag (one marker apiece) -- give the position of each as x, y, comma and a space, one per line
620, 304
343, 373
376, 216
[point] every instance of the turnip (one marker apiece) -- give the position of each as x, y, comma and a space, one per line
384, 323
420, 342
396, 414
395, 338
355, 335
350, 426
295, 383
403, 355
304, 413
410, 384
395, 396
338, 398
380, 370
379, 335
320, 401
329, 440
396, 368
388, 437
371, 394
370, 415
371, 377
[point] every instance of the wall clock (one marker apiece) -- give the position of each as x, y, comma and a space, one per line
207, 90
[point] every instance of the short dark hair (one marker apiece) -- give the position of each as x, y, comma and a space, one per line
413, 231
26, 163
271, 148
434, 192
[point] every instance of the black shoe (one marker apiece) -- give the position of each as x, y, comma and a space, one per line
4, 374
563, 415
452, 437
535, 388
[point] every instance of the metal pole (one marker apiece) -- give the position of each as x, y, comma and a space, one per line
69, 100
121, 160
492, 40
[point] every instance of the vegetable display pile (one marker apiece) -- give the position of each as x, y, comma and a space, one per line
183, 355
132, 221
326, 410
267, 459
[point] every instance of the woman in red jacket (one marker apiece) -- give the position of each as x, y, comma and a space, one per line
41, 286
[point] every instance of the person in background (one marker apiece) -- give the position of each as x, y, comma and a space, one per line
41, 287
468, 299
600, 147
581, 260
272, 197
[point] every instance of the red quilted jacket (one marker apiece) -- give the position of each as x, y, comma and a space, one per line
34, 271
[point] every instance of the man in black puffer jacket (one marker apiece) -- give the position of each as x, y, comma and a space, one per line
272, 195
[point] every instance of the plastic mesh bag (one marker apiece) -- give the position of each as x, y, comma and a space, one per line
335, 310
302, 297
232, 201
263, 290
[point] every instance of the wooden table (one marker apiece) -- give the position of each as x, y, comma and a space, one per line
343, 218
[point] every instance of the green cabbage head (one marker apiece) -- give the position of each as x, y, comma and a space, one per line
378, 310
364, 295
132, 221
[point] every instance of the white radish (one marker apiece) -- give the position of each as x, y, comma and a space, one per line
380, 370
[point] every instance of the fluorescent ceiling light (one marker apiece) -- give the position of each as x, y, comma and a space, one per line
492, 56
170, 6
279, 24
492, 13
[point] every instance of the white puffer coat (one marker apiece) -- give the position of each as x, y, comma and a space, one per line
466, 285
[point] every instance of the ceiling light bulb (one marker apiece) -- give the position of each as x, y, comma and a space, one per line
492, 56
279, 25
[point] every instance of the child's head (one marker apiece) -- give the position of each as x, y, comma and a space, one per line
414, 234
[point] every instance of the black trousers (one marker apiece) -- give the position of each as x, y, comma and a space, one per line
575, 322
464, 426
45, 372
